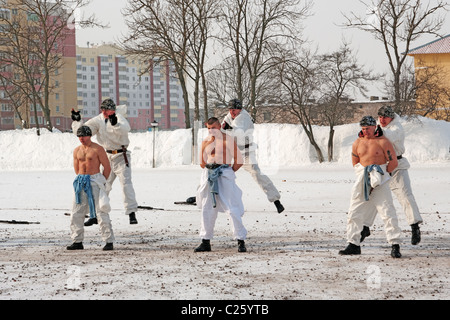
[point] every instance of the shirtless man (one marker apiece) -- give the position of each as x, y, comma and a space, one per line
400, 183
90, 190
373, 159
111, 129
218, 190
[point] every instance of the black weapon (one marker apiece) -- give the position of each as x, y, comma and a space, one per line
18, 222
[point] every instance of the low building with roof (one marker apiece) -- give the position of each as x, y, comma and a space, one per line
432, 72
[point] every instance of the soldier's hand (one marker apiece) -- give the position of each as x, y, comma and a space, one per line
226, 126
76, 115
113, 119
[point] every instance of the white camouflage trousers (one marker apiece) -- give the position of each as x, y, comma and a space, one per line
229, 200
380, 201
79, 212
400, 185
120, 170
251, 166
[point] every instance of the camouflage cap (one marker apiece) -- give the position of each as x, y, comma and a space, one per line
235, 104
386, 111
367, 121
84, 131
108, 104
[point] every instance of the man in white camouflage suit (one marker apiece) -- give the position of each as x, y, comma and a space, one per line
111, 130
400, 183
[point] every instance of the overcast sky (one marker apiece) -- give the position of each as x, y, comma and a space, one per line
322, 29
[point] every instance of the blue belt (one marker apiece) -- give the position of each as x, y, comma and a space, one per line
214, 172
367, 186
83, 183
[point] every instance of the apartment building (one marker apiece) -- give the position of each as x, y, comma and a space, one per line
150, 93
63, 79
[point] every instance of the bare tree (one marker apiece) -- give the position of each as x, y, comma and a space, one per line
222, 82
397, 24
175, 31
12, 94
407, 88
423, 90
340, 73
255, 32
33, 47
298, 75
201, 14
432, 92
160, 30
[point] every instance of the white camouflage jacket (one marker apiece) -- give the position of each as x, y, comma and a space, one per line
396, 135
242, 128
108, 136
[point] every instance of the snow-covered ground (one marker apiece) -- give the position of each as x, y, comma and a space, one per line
293, 255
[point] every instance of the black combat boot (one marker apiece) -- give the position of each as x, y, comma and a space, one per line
364, 233
203, 247
279, 206
191, 200
90, 222
133, 219
241, 246
395, 253
415, 237
76, 246
108, 246
351, 249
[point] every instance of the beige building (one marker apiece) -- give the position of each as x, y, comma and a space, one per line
432, 69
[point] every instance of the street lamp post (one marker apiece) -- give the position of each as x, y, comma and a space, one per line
154, 126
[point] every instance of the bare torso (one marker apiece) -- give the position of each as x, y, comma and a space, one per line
374, 151
87, 159
217, 150
370, 151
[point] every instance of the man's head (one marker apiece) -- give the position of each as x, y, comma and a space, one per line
235, 107
84, 134
213, 124
108, 107
385, 115
368, 126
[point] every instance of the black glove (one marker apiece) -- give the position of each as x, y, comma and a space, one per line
76, 115
378, 132
113, 119
226, 126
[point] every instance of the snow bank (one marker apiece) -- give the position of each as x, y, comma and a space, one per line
284, 145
